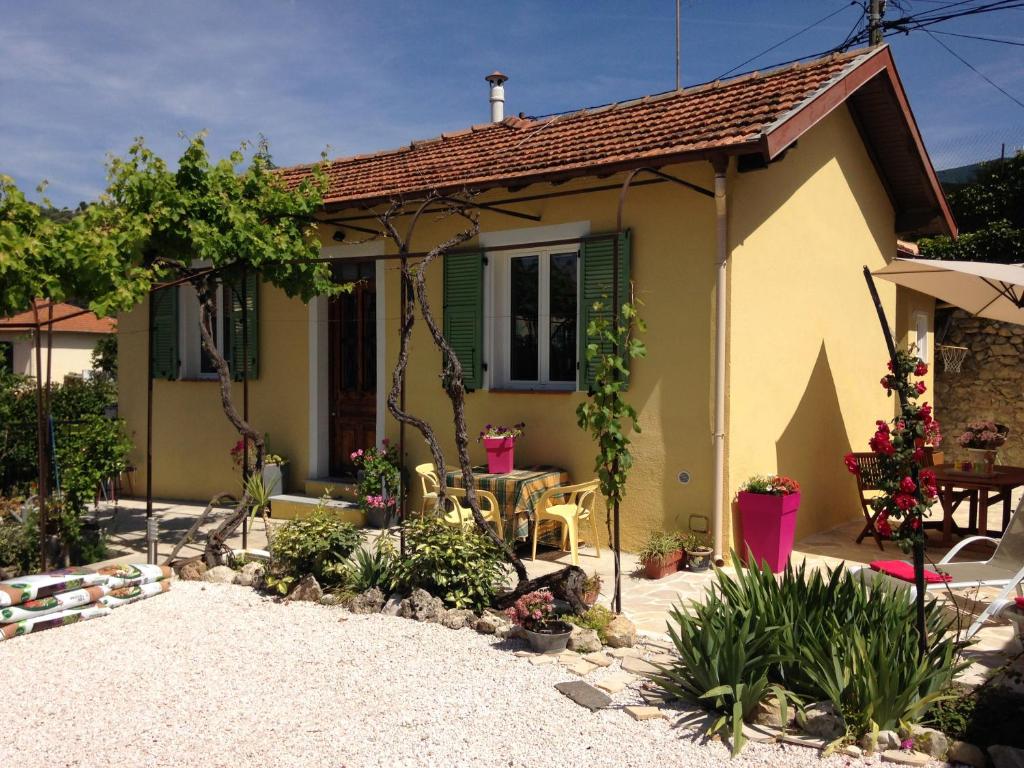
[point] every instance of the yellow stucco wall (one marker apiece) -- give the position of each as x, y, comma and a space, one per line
191, 434
806, 349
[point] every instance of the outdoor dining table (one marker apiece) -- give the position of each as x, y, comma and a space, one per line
517, 492
956, 485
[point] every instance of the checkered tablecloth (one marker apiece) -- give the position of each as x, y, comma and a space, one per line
517, 492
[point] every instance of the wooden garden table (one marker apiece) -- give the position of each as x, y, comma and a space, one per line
517, 492
956, 485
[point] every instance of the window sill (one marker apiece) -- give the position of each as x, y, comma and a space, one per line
525, 391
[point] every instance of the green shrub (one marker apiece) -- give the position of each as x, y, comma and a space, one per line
816, 636
368, 568
463, 568
980, 715
597, 618
318, 545
19, 542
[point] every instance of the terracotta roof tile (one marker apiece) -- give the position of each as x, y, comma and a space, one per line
80, 323
712, 116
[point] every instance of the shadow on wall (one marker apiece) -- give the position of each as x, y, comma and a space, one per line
811, 451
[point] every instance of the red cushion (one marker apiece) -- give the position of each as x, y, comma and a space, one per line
1019, 601
901, 569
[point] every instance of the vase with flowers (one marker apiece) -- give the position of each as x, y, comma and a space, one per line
379, 483
982, 440
500, 443
768, 507
243, 452
535, 613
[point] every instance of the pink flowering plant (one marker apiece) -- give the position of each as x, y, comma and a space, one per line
379, 477
533, 610
986, 435
501, 431
907, 485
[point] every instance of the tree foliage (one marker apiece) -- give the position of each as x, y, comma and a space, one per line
990, 212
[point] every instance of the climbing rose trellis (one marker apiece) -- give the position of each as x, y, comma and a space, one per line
907, 485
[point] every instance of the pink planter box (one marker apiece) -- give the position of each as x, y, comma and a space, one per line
769, 524
500, 454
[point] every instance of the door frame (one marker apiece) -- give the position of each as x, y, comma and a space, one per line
319, 349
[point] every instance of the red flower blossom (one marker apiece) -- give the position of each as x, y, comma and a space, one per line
851, 464
920, 388
885, 382
921, 369
882, 525
918, 455
907, 485
905, 501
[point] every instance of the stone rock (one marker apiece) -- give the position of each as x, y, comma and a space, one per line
599, 658
219, 574
852, 750
193, 571
639, 666
584, 694
1006, 757
886, 740
392, 606
457, 618
769, 713
421, 606
487, 624
307, 590
904, 757
584, 640
332, 599
614, 683
370, 601
929, 740
968, 754
578, 666
621, 633
622, 653
645, 713
803, 740
251, 575
543, 658
822, 720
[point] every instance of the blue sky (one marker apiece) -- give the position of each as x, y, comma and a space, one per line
81, 79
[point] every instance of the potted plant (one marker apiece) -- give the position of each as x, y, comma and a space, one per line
379, 484
661, 554
591, 589
698, 551
982, 440
500, 444
768, 507
535, 613
273, 465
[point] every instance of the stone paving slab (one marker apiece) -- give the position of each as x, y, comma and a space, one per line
615, 682
600, 658
646, 713
584, 694
639, 666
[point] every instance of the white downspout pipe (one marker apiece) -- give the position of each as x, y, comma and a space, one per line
721, 277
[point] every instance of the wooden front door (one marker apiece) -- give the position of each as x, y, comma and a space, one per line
352, 361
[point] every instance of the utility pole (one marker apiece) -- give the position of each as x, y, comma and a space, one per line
876, 10
678, 73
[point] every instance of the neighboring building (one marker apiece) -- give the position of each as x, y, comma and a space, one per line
73, 341
821, 168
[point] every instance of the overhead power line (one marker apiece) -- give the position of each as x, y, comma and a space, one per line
977, 71
977, 37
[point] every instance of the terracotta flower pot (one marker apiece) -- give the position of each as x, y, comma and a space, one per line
659, 567
500, 454
769, 524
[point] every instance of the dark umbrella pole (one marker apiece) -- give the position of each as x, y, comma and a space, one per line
918, 552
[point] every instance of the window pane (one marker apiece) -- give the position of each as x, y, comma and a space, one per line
525, 293
563, 317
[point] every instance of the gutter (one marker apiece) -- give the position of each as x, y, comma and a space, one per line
721, 165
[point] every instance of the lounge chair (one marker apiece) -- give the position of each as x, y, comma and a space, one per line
1003, 571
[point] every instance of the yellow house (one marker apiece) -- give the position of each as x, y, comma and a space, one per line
743, 241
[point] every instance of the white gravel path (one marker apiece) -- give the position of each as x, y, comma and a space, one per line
212, 675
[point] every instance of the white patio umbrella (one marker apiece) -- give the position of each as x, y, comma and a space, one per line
995, 291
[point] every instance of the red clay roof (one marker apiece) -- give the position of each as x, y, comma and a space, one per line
79, 323
759, 112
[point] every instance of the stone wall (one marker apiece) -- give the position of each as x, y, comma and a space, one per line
990, 384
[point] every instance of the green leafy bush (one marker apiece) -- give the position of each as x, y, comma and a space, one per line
368, 568
463, 568
597, 618
979, 715
19, 541
318, 545
816, 636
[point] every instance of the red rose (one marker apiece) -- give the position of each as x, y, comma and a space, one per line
885, 382
920, 388
851, 464
905, 502
921, 369
907, 485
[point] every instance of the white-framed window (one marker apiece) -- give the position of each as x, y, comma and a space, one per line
195, 362
534, 334
920, 325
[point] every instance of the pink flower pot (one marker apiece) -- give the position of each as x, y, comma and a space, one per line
500, 454
769, 524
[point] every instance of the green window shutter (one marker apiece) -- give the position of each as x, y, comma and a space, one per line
596, 286
164, 334
234, 290
464, 313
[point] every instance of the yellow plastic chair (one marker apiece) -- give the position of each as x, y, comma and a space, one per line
568, 506
460, 514
430, 485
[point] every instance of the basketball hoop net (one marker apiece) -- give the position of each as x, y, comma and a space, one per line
952, 357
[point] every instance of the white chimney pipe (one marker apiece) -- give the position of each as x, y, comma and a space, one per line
497, 96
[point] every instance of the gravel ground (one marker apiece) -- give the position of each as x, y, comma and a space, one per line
213, 675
